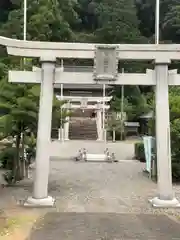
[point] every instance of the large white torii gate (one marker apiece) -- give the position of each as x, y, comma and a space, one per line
48, 75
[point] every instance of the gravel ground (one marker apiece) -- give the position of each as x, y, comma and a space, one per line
95, 187
101, 188
104, 201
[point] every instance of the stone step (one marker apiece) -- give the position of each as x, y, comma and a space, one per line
82, 129
83, 138
69, 149
81, 113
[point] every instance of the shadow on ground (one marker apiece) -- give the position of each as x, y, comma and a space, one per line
107, 226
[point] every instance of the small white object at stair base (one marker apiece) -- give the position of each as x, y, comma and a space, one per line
83, 155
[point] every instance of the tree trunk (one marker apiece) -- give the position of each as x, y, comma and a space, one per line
22, 161
26, 162
17, 168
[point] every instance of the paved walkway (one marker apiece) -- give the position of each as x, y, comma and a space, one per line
104, 201
99, 201
112, 226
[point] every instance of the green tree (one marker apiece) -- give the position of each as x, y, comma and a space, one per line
174, 105
45, 22
135, 103
171, 23
19, 113
174, 99
117, 22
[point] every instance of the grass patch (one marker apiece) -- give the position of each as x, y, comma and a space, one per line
13, 223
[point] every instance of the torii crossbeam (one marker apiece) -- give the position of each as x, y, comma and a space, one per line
48, 75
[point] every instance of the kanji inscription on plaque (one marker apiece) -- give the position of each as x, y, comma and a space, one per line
105, 63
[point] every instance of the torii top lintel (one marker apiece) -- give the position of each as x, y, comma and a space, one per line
160, 53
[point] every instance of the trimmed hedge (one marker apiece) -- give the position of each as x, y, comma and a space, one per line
139, 152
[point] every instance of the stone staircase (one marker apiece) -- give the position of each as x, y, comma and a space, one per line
79, 113
82, 129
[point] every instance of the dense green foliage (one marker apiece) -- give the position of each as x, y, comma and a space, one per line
139, 151
91, 20
174, 104
7, 158
105, 21
175, 131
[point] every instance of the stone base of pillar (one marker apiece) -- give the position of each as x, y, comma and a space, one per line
100, 136
158, 203
44, 202
100, 140
104, 135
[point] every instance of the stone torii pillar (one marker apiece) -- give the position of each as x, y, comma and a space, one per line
99, 122
165, 196
66, 129
40, 192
